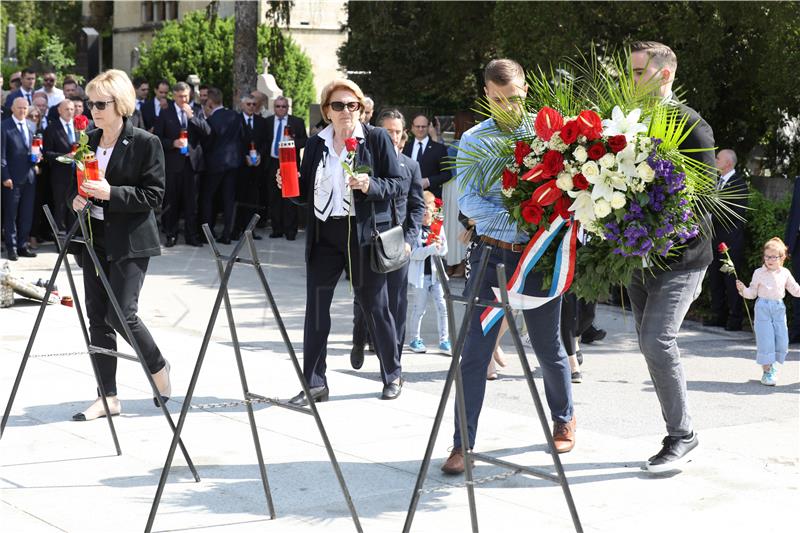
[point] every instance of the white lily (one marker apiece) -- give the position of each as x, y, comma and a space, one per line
583, 206
626, 161
620, 124
605, 183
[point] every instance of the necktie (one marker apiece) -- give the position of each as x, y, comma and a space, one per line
250, 122
28, 96
70, 135
419, 151
278, 135
138, 105
24, 134
183, 119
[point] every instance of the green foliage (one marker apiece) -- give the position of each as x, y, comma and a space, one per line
765, 219
54, 54
38, 25
203, 46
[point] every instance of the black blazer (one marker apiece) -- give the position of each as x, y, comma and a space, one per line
297, 127
222, 144
697, 253
410, 204
793, 224
375, 151
257, 135
57, 143
434, 164
731, 231
168, 128
148, 110
136, 175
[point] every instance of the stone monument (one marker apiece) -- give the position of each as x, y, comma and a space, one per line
266, 84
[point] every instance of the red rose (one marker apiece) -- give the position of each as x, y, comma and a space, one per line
548, 121
535, 174
561, 208
438, 202
546, 194
531, 211
81, 122
590, 125
579, 182
509, 179
596, 151
553, 163
569, 133
722, 248
521, 150
617, 143
351, 144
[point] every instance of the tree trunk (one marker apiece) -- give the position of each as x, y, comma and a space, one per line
245, 50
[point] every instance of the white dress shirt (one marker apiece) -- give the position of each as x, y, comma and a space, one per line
416, 147
332, 174
280, 122
157, 106
64, 125
724, 179
25, 130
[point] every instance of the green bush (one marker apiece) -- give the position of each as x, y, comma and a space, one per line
197, 45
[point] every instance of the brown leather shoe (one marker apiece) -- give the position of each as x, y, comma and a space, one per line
564, 435
455, 463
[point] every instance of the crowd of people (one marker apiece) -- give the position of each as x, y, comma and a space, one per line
189, 158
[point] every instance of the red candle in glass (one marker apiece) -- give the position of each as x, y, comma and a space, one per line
290, 185
436, 228
91, 172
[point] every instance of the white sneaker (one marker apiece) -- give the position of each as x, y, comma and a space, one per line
768, 377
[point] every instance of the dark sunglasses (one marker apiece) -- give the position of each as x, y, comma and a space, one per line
99, 105
351, 106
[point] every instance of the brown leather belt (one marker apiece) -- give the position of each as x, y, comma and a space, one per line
516, 247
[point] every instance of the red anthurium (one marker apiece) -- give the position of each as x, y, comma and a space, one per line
561, 207
521, 150
509, 179
590, 124
535, 174
548, 121
546, 193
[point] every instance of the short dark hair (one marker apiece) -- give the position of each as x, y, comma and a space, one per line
391, 114
69, 81
503, 71
215, 95
660, 54
76, 98
162, 81
203, 86
28, 70
417, 115
138, 81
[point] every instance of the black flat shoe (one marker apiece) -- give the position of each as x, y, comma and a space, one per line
171, 241
392, 390
223, 240
275, 235
357, 356
318, 394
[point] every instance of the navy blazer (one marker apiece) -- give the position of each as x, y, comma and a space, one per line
16, 153
793, 225
434, 165
731, 230
377, 152
149, 113
410, 204
136, 174
17, 93
257, 135
168, 128
222, 145
57, 143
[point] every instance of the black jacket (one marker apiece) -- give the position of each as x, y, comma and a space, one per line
297, 128
256, 135
168, 128
136, 175
731, 230
410, 204
377, 152
57, 143
434, 165
222, 146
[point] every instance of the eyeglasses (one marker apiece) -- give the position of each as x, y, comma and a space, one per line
282, 106
772, 257
99, 105
50, 79
351, 106
249, 103
421, 126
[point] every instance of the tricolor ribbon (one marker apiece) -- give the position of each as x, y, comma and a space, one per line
563, 271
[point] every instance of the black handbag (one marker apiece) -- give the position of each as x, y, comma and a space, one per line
388, 250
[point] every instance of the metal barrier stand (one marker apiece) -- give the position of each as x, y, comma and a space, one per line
472, 303
225, 266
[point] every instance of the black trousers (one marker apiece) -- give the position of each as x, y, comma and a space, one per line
397, 289
247, 195
794, 327
60, 185
225, 182
126, 277
577, 316
328, 259
282, 211
180, 195
726, 304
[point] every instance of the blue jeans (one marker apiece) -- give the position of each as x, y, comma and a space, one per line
543, 326
772, 335
421, 303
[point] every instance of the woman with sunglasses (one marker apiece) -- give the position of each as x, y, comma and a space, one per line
124, 232
343, 210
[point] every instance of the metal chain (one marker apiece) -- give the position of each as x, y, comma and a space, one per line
480, 481
238, 403
62, 354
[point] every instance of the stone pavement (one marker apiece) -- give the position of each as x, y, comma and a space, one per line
59, 475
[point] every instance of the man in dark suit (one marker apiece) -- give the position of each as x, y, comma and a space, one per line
222, 147
27, 81
142, 88
59, 137
151, 109
183, 160
792, 239
726, 304
283, 212
18, 179
252, 172
71, 92
431, 156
